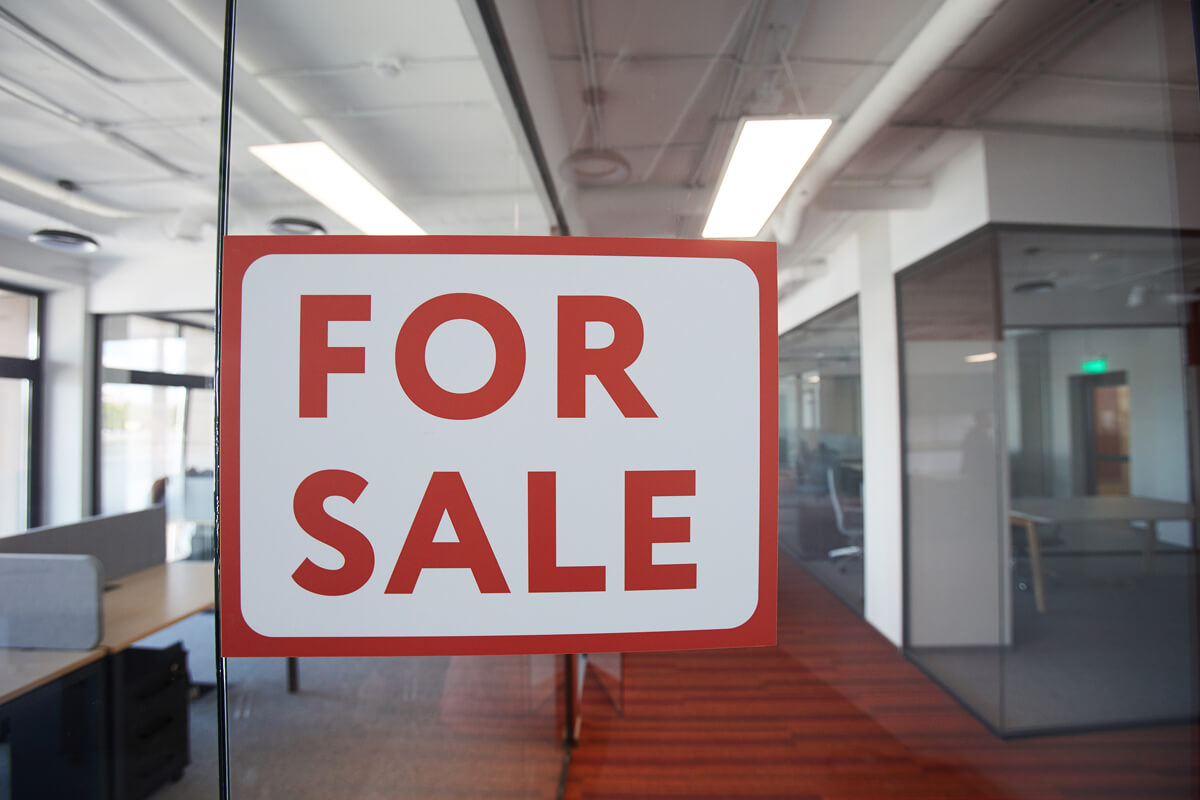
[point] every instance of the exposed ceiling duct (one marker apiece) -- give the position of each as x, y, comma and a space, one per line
942, 35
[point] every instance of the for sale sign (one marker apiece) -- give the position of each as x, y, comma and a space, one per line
461, 445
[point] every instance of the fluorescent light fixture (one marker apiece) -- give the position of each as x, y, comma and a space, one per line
767, 156
979, 358
323, 174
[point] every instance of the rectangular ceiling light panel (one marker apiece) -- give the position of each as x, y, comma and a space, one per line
323, 174
767, 157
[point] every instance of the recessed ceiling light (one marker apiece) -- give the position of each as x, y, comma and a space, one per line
295, 226
1035, 287
767, 156
597, 167
64, 241
327, 178
980, 358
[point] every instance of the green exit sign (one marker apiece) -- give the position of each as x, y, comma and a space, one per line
1096, 366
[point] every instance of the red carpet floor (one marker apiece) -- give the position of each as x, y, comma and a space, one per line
836, 712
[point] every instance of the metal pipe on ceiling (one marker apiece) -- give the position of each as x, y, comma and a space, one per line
61, 195
35, 38
152, 42
44, 103
591, 86
725, 109
944, 33
756, 11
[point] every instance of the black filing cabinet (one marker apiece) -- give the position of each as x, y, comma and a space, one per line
53, 740
149, 714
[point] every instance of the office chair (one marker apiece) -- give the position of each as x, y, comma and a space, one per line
840, 555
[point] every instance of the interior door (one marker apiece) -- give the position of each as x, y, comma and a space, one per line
1105, 428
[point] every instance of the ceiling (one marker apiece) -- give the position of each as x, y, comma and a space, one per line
624, 117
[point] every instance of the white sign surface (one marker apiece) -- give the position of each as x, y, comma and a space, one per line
579, 454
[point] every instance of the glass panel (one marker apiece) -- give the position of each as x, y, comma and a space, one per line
14, 455
1097, 405
396, 727
156, 446
957, 618
820, 450
153, 345
18, 325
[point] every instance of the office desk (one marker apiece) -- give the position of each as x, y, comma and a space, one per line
148, 601
22, 671
1030, 511
138, 604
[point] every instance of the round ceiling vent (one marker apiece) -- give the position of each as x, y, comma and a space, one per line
64, 241
597, 167
296, 226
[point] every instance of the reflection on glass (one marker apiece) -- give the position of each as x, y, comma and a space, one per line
1049, 484
134, 342
820, 450
14, 455
1097, 402
955, 599
386, 727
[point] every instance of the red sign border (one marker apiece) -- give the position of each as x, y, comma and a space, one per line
238, 639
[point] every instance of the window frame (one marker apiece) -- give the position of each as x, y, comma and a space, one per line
34, 371
104, 375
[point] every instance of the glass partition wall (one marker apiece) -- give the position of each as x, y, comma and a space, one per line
1048, 410
820, 450
327, 142
155, 423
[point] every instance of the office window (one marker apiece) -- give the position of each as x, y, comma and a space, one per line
155, 423
20, 370
820, 450
1096, 377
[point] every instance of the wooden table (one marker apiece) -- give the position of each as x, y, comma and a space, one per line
148, 601
1030, 511
22, 670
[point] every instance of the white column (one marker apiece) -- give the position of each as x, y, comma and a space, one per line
882, 497
66, 407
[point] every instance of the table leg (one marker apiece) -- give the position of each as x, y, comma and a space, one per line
1148, 547
1035, 564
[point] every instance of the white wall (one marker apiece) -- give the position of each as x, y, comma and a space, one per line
958, 558
180, 279
959, 205
1061, 180
839, 283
